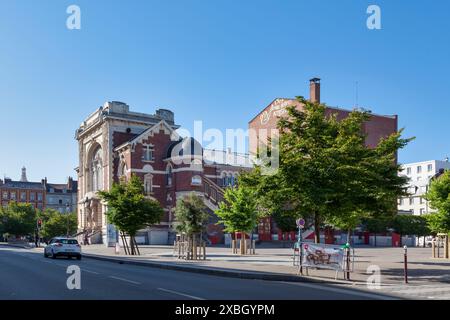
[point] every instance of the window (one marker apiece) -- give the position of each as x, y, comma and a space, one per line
5, 195
411, 201
32, 196
224, 179
60, 201
408, 171
12, 196
430, 168
39, 197
196, 180
401, 201
422, 211
23, 196
169, 175
148, 153
421, 200
148, 184
419, 169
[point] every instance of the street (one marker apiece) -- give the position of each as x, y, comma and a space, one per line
28, 275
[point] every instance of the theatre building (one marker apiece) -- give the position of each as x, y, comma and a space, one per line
115, 142
264, 124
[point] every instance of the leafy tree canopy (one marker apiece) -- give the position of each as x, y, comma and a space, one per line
191, 214
128, 208
238, 211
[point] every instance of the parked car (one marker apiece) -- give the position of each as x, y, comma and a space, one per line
61, 246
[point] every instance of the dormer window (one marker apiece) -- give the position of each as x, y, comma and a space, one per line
148, 153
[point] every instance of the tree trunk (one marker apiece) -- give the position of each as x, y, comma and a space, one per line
424, 242
401, 245
132, 245
242, 245
349, 236
375, 238
316, 228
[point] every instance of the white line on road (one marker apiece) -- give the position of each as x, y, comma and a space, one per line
343, 291
126, 280
89, 271
180, 294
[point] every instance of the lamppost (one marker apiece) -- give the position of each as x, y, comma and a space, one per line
67, 217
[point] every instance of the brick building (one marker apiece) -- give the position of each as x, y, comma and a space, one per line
115, 142
22, 191
264, 124
42, 195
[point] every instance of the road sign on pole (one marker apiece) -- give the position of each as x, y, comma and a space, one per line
300, 223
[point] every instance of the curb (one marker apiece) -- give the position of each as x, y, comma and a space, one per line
16, 245
219, 272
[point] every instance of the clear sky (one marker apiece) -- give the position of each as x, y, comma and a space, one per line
219, 61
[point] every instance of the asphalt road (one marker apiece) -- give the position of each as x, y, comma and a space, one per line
25, 274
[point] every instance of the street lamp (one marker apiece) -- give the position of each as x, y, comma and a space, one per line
67, 217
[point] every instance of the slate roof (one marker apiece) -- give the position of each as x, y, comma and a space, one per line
22, 185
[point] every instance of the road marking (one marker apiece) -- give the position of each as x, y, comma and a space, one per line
180, 294
344, 291
89, 271
126, 280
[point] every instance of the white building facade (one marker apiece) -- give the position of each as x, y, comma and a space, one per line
419, 174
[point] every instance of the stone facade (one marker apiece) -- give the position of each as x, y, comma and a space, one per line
115, 142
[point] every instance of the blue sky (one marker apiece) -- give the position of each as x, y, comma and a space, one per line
217, 61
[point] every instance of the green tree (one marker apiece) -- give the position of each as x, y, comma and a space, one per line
56, 224
192, 217
326, 172
410, 225
128, 208
438, 196
18, 219
238, 212
375, 225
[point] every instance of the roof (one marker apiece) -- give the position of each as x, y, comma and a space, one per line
22, 185
295, 101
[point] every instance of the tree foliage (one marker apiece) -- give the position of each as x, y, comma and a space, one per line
56, 224
326, 171
191, 214
438, 196
128, 208
18, 219
238, 210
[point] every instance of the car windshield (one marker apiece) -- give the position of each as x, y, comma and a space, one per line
66, 241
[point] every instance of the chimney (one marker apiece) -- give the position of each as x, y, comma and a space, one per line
314, 90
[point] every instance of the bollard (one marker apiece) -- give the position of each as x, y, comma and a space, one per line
254, 246
405, 250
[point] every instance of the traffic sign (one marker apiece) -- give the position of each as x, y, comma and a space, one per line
300, 223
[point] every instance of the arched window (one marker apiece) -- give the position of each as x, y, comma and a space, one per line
148, 184
169, 175
123, 171
96, 169
224, 179
229, 179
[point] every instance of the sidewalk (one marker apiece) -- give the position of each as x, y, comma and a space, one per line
276, 264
